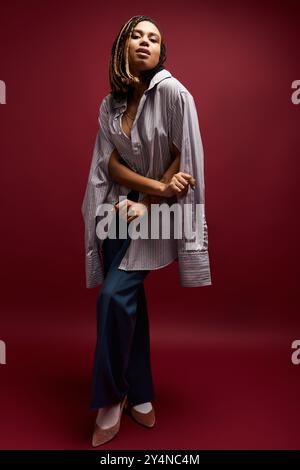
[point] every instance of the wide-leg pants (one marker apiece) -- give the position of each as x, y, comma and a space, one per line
122, 355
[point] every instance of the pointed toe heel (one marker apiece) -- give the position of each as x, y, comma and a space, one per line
145, 419
101, 436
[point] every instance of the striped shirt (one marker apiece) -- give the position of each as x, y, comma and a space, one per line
166, 113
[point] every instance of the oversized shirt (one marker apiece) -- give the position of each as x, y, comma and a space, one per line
166, 113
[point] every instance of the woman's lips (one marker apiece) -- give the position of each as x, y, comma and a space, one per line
143, 52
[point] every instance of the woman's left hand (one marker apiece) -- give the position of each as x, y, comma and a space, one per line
130, 210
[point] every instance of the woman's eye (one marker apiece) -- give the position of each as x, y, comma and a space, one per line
136, 37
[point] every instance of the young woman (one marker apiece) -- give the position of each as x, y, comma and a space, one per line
148, 151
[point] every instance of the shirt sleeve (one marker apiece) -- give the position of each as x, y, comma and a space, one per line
98, 185
193, 256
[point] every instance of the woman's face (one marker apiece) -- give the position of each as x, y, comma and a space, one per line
145, 35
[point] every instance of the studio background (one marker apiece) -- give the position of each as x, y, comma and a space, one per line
221, 354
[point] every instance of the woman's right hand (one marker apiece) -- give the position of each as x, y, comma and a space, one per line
178, 184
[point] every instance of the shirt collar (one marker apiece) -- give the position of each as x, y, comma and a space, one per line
158, 77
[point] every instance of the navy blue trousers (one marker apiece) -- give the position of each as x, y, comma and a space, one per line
122, 354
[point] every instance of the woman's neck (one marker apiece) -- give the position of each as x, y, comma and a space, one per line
136, 92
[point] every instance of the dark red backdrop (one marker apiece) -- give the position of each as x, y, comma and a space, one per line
221, 354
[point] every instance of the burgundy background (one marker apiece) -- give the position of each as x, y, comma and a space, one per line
221, 355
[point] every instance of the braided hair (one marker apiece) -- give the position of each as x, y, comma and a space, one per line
120, 77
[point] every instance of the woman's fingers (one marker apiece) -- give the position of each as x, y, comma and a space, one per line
186, 176
181, 179
178, 184
130, 210
174, 187
122, 203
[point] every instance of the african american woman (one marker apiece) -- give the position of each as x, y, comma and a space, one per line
148, 153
